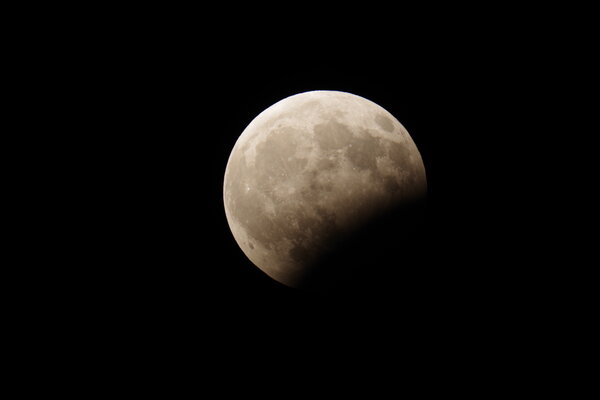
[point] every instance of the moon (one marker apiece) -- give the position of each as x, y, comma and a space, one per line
310, 169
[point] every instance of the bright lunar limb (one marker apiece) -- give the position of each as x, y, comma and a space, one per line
311, 168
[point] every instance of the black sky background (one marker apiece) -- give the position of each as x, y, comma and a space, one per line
150, 273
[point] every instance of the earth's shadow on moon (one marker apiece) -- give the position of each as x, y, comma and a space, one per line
384, 258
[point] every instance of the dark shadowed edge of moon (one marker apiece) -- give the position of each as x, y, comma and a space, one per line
382, 257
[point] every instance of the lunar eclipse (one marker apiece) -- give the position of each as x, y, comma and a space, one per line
312, 169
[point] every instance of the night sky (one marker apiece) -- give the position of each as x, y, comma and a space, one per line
154, 270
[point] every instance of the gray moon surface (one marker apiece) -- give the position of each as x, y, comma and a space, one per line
308, 170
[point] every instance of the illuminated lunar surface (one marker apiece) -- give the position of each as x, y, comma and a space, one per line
310, 169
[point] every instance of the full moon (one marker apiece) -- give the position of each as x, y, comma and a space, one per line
310, 169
